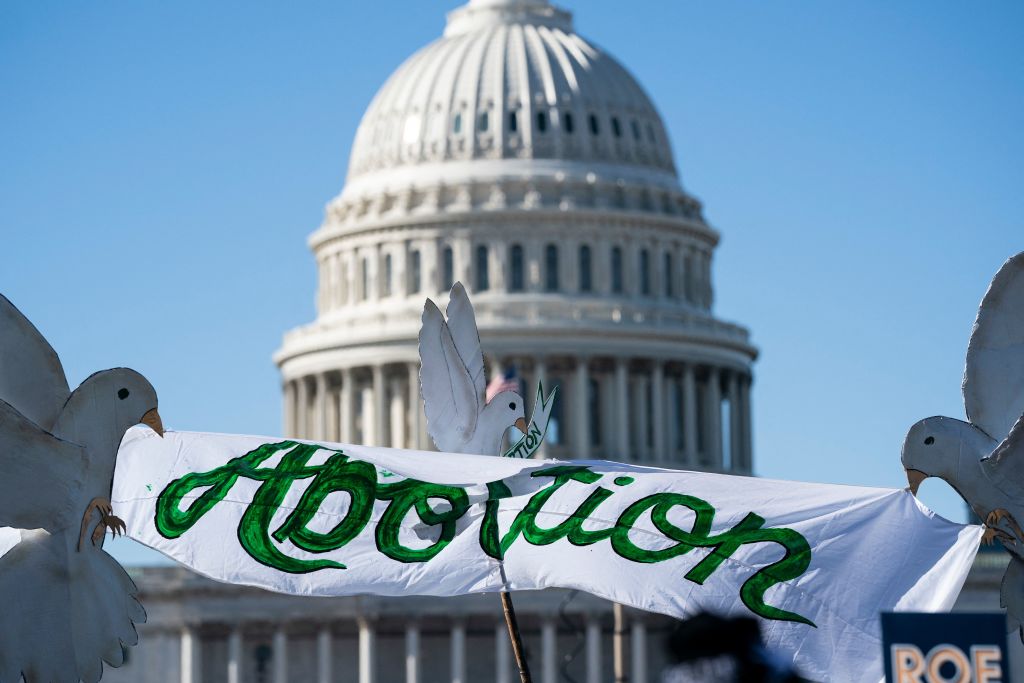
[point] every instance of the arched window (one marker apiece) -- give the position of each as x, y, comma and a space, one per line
542, 122
551, 268
457, 124
586, 281
387, 275
484, 121
645, 272
636, 129
365, 265
513, 121
567, 122
414, 272
448, 267
594, 128
669, 276
516, 281
483, 282
616, 128
617, 270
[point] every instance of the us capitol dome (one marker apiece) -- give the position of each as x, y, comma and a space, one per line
516, 157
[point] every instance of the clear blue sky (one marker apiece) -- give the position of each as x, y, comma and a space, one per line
161, 165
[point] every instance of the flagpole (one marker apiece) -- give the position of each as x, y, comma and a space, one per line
513, 633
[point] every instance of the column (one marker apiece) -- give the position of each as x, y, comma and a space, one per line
621, 410
191, 662
396, 413
367, 652
412, 653
302, 411
747, 423
333, 415
280, 656
581, 412
458, 652
320, 407
548, 652
714, 395
638, 650
235, 655
416, 418
593, 650
690, 415
380, 403
672, 416
323, 654
638, 411
658, 442
735, 428
347, 418
502, 654
288, 408
540, 376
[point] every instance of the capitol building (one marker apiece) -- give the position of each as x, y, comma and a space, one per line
515, 156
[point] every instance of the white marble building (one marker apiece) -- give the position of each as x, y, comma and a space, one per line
515, 156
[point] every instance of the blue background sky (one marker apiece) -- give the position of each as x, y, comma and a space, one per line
161, 165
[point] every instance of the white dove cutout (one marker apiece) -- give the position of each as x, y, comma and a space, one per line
459, 419
67, 606
983, 459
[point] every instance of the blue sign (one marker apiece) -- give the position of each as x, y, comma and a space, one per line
945, 648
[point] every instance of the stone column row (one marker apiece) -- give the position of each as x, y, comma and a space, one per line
655, 416
238, 669
317, 407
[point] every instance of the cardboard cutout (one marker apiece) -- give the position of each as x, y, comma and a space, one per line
459, 419
67, 605
983, 459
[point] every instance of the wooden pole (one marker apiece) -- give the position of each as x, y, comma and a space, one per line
514, 636
619, 643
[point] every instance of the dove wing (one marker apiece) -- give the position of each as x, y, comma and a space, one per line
1005, 466
450, 400
462, 323
994, 375
31, 376
40, 475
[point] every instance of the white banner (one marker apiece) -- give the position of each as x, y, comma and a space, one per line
816, 562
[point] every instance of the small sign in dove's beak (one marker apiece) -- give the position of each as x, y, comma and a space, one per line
914, 478
522, 426
152, 420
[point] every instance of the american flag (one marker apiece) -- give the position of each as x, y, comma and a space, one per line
508, 381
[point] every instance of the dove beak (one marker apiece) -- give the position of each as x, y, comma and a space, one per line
152, 420
914, 478
521, 425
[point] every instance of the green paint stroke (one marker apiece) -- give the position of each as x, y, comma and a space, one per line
440, 506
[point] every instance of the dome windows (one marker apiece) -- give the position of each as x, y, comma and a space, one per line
586, 275
567, 122
414, 272
551, 268
645, 272
542, 122
595, 129
517, 281
483, 281
457, 124
448, 268
636, 129
616, 128
484, 122
617, 270
667, 274
513, 121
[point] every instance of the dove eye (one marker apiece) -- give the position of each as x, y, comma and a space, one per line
929, 441
122, 393
512, 405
